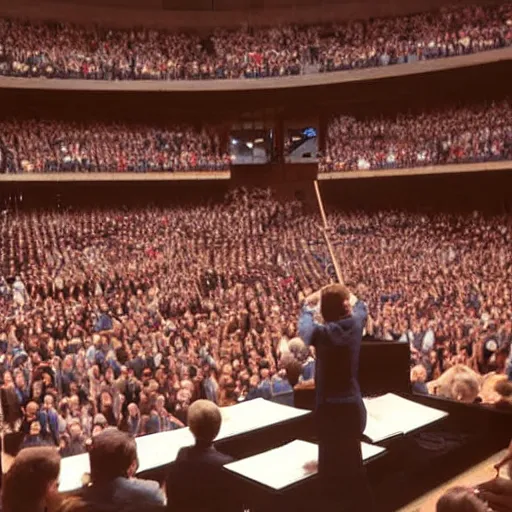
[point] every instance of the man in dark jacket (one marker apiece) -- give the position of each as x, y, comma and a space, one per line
197, 480
340, 411
114, 462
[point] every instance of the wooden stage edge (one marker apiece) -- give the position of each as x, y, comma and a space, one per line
482, 472
77, 177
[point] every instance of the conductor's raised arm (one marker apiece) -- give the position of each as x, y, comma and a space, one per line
359, 311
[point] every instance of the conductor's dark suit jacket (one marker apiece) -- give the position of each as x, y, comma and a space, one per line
198, 482
338, 346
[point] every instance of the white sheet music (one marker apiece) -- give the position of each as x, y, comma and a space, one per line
72, 470
390, 415
284, 466
158, 450
253, 415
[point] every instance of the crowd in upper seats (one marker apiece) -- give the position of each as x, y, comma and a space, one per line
479, 133
54, 146
125, 317
450, 136
66, 51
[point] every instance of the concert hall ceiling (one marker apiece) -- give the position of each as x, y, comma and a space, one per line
211, 13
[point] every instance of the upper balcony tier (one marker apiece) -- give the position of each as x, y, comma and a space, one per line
257, 84
41, 55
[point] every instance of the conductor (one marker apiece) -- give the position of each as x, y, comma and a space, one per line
340, 411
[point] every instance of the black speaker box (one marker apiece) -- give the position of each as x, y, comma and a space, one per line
384, 367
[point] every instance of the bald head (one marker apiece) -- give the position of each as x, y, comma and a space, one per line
31, 410
204, 420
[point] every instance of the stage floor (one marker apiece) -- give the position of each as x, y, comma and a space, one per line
477, 474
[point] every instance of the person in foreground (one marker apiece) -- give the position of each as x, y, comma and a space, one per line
497, 494
340, 411
460, 499
114, 462
32, 482
197, 480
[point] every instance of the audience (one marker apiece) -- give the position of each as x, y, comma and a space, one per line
126, 317
54, 146
449, 136
480, 133
58, 50
32, 482
213, 491
418, 379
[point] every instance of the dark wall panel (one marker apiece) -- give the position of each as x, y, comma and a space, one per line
205, 14
147, 5
188, 5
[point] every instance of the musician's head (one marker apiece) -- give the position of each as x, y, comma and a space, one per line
460, 499
335, 302
112, 454
32, 481
204, 420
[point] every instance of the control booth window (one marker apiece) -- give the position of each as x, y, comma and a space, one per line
250, 146
301, 144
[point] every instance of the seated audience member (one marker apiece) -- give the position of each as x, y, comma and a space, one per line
306, 370
256, 391
76, 442
12, 416
283, 383
99, 424
32, 414
460, 499
52, 418
31, 484
197, 480
303, 354
113, 460
293, 370
34, 437
418, 379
